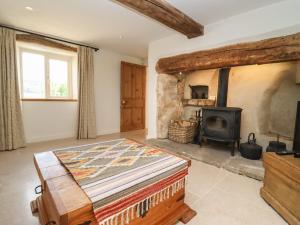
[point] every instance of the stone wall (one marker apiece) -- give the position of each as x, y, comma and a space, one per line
169, 102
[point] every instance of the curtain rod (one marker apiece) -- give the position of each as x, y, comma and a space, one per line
46, 36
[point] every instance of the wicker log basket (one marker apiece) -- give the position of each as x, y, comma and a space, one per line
182, 131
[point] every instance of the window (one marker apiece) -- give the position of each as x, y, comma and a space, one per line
46, 75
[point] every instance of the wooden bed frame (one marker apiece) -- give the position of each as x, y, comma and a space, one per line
62, 202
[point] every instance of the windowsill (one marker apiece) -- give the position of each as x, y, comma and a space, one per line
47, 100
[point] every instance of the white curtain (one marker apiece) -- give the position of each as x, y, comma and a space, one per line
11, 125
87, 116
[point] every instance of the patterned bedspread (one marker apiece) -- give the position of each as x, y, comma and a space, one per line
123, 178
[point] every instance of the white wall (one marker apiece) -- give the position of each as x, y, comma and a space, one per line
49, 120
55, 120
274, 20
107, 89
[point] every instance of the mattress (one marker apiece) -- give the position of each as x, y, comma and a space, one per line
123, 178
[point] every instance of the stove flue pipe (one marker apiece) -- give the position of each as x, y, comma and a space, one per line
223, 87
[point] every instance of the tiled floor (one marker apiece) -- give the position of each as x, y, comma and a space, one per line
218, 196
223, 198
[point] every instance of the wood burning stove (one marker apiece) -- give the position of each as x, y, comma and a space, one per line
222, 123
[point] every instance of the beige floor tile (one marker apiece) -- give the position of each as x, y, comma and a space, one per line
203, 177
191, 198
216, 218
228, 207
242, 187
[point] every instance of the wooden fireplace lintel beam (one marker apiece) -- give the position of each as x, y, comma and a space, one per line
279, 49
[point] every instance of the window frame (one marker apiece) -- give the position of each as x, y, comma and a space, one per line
47, 57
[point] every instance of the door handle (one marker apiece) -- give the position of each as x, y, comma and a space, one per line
123, 102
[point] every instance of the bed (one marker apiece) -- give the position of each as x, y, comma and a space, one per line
114, 182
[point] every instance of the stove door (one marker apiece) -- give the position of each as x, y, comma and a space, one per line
217, 126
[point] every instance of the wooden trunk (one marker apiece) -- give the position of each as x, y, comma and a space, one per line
282, 186
62, 201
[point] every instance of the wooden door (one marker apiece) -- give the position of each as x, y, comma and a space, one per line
133, 79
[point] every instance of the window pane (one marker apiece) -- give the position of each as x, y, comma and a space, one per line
33, 74
58, 78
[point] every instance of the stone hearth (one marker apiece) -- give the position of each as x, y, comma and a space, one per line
216, 155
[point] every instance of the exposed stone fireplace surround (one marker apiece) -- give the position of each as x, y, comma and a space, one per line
267, 93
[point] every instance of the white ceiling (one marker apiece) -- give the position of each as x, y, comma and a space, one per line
101, 22
210, 11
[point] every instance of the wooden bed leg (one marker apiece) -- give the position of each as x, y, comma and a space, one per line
188, 215
34, 206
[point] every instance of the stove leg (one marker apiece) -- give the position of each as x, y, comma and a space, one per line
238, 145
232, 149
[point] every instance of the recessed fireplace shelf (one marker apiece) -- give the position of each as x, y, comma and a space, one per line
198, 102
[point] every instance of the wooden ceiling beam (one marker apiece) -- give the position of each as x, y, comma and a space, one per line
274, 50
167, 14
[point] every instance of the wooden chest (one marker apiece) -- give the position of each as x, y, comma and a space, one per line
62, 201
281, 187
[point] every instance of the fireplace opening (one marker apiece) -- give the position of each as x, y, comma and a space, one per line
222, 123
199, 92
216, 123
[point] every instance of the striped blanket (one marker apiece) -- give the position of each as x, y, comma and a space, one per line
123, 178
